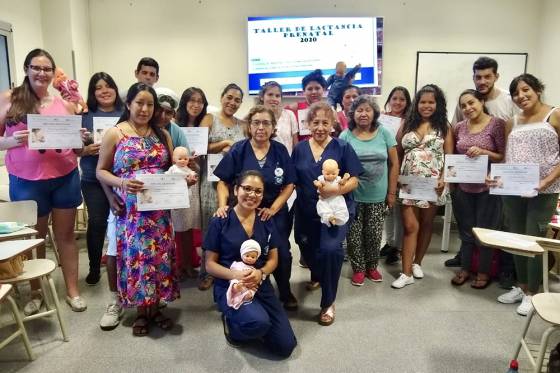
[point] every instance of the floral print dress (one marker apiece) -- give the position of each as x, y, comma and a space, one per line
145, 243
423, 157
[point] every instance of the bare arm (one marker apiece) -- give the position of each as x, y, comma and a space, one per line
545, 182
393, 175
18, 138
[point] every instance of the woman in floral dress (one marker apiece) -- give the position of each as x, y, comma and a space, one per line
424, 140
145, 245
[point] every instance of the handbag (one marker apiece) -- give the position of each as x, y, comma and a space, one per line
11, 268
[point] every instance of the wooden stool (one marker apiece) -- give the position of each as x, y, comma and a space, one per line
5, 294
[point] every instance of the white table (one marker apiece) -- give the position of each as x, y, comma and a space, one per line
9, 249
25, 232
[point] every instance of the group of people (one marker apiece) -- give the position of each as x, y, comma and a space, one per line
273, 153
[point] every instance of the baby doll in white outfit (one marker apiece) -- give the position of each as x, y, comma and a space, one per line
180, 162
332, 210
237, 294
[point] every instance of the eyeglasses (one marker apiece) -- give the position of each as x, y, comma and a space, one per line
38, 69
258, 123
249, 189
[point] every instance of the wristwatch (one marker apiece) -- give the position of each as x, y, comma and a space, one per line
263, 275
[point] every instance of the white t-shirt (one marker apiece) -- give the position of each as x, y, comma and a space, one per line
501, 107
286, 127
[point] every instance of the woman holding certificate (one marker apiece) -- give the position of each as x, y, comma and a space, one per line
532, 137
473, 206
224, 131
48, 176
272, 160
425, 138
262, 318
145, 246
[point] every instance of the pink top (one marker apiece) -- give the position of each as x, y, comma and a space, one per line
342, 120
492, 138
44, 164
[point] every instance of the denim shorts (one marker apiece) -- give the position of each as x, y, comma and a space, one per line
59, 193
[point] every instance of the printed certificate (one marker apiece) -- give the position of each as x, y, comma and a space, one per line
390, 122
197, 138
515, 179
302, 122
213, 160
418, 187
462, 169
162, 192
101, 125
54, 131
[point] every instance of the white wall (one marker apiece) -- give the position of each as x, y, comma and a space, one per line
203, 43
548, 57
57, 36
25, 17
81, 42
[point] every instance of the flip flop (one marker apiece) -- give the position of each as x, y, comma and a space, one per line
484, 282
141, 326
460, 278
326, 317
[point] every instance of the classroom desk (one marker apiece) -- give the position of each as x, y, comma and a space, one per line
519, 244
25, 232
9, 249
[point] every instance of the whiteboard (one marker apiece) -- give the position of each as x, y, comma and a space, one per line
452, 71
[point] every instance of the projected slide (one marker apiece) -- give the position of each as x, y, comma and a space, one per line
286, 49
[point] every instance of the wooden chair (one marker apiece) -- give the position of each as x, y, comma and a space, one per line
5, 295
547, 306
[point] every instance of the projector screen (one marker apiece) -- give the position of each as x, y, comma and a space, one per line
285, 49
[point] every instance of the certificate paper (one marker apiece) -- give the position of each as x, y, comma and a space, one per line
101, 125
302, 122
462, 169
54, 131
515, 179
162, 192
197, 138
390, 122
213, 160
418, 187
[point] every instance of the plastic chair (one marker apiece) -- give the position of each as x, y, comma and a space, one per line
547, 306
5, 295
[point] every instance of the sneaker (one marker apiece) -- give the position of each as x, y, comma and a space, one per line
513, 296
385, 250
78, 304
374, 275
526, 305
453, 262
402, 281
417, 271
393, 257
92, 278
358, 278
34, 305
112, 317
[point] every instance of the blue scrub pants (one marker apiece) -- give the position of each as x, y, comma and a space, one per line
322, 250
283, 271
264, 318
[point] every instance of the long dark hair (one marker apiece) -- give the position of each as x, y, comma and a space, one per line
438, 120
406, 98
24, 100
133, 91
182, 117
476, 94
529, 79
92, 101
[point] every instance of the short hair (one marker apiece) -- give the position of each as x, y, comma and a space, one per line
314, 76
531, 80
364, 99
257, 109
318, 106
476, 94
232, 86
148, 61
92, 101
485, 63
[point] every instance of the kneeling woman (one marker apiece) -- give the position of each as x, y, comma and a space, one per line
264, 318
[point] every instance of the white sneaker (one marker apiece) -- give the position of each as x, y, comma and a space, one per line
513, 296
417, 271
78, 304
402, 281
526, 305
112, 317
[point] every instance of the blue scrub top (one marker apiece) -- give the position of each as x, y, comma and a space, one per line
307, 171
225, 236
278, 170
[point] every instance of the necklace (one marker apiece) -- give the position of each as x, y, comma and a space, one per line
138, 133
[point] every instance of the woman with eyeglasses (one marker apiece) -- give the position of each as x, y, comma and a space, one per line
272, 160
49, 177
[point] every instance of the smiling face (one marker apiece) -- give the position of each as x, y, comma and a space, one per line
313, 92
231, 101
525, 97
40, 73
321, 125
250, 192
272, 98
141, 108
471, 107
363, 116
250, 258
261, 127
105, 95
397, 103
349, 96
427, 105
484, 80
195, 105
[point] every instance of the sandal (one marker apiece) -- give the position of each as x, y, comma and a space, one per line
141, 326
326, 317
460, 278
480, 282
163, 322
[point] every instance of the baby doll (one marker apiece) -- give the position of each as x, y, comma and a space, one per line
237, 294
332, 210
68, 88
180, 162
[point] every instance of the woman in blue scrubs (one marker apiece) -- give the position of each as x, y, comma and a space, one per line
272, 160
263, 319
321, 245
